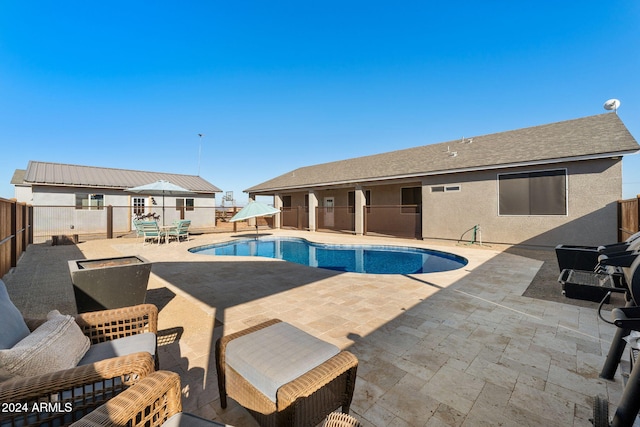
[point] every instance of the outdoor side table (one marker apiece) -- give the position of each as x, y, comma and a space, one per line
284, 376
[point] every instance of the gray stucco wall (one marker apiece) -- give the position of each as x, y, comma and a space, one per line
593, 189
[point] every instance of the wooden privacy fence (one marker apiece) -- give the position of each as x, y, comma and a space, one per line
628, 217
15, 232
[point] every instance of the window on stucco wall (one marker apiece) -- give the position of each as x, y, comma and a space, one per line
533, 193
186, 204
89, 201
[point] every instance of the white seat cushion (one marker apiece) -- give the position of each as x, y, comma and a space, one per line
120, 347
271, 357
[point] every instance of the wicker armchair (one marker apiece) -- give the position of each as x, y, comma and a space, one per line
108, 325
338, 419
150, 403
305, 401
61, 397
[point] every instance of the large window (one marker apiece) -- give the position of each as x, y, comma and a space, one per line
89, 201
533, 193
411, 196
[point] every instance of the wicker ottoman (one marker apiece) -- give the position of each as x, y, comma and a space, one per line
284, 376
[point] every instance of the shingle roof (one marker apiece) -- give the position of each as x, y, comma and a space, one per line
58, 174
596, 136
18, 177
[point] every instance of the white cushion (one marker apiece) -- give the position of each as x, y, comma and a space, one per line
13, 327
55, 345
271, 357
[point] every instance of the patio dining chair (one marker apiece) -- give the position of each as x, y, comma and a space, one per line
68, 366
180, 230
151, 231
138, 228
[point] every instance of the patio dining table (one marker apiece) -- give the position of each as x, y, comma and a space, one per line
164, 229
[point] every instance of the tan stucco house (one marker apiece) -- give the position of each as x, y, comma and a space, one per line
543, 185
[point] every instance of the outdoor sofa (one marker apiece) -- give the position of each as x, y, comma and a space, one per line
152, 402
55, 370
156, 401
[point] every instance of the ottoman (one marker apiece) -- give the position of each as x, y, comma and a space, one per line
283, 376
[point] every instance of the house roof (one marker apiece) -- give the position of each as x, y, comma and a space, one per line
598, 136
57, 174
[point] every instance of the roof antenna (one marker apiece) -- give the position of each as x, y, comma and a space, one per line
612, 104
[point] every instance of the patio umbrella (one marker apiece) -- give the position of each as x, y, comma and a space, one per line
253, 210
160, 188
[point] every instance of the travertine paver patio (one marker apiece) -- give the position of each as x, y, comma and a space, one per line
442, 349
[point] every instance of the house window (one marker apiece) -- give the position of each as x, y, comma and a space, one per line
286, 202
533, 193
411, 196
444, 188
90, 201
352, 200
187, 204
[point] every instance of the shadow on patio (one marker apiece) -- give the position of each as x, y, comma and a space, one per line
461, 348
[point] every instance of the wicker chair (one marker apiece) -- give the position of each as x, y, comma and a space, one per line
337, 419
304, 401
68, 395
153, 401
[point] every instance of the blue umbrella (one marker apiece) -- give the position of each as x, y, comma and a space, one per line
254, 210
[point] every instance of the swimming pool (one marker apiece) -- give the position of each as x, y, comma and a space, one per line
374, 259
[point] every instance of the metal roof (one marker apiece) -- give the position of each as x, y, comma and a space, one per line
58, 174
598, 136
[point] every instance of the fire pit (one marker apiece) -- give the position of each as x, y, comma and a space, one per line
106, 283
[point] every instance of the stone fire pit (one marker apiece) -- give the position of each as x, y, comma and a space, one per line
105, 283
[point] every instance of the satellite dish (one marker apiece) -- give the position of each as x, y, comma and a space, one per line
612, 104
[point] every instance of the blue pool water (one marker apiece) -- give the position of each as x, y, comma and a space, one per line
375, 259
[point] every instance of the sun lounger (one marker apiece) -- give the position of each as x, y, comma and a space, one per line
612, 274
586, 257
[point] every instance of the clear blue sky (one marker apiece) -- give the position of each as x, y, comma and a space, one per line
279, 85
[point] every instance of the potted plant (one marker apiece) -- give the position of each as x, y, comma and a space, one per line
106, 283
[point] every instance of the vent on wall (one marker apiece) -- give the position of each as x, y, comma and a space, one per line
444, 188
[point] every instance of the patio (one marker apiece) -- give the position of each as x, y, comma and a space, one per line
460, 348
